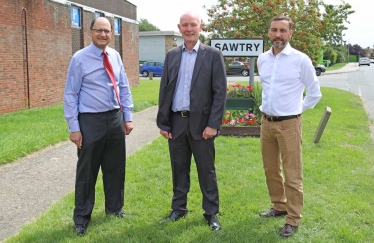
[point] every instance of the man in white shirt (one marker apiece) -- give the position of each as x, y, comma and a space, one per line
284, 73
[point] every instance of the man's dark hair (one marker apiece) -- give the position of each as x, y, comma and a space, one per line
280, 17
94, 20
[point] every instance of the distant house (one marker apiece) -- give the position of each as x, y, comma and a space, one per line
369, 52
153, 45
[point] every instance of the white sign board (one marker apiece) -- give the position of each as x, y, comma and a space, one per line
239, 47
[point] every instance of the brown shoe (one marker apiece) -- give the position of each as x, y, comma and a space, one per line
273, 213
288, 230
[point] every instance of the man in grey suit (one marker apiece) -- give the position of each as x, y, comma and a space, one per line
191, 105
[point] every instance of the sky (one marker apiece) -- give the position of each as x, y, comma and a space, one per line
165, 14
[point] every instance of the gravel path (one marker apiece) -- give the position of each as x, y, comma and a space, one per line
24, 193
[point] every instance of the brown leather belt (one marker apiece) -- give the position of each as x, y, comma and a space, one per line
279, 118
183, 114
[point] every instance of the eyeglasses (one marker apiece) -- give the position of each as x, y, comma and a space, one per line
99, 31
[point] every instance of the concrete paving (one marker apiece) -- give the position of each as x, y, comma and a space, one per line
350, 67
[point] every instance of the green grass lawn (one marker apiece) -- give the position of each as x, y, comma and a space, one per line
338, 186
27, 131
336, 66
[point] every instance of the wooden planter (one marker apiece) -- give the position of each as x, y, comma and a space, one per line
240, 104
240, 131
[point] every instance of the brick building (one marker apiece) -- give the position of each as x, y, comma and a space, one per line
39, 38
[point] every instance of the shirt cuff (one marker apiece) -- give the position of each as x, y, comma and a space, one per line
74, 127
127, 116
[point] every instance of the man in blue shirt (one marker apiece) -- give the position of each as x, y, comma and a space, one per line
98, 109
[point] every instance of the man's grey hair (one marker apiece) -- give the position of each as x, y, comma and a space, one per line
280, 18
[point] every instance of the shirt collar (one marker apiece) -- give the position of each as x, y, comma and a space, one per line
286, 51
196, 47
97, 50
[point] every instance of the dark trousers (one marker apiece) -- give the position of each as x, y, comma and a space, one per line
103, 145
181, 147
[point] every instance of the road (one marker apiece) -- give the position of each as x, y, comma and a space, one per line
360, 82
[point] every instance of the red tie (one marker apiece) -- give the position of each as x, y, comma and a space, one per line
109, 70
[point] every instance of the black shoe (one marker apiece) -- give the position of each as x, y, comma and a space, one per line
174, 216
288, 230
120, 214
273, 213
213, 222
80, 229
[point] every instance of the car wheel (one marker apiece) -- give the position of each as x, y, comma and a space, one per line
318, 72
245, 73
145, 74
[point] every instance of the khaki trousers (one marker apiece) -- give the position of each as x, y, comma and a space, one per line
281, 147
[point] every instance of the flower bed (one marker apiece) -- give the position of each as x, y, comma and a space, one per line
239, 119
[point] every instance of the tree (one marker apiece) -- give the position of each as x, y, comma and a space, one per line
144, 25
251, 19
356, 50
203, 39
329, 53
333, 21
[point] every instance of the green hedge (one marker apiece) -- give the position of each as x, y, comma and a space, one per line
353, 58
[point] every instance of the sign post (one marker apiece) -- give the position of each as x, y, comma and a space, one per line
251, 47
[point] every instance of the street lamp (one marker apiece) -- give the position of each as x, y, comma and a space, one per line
345, 44
348, 51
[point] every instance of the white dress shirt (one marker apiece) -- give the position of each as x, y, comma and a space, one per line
283, 79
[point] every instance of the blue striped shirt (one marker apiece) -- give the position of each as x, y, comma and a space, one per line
89, 89
181, 100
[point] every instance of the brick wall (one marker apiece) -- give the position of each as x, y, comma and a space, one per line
130, 51
47, 45
40, 80
87, 19
12, 82
169, 42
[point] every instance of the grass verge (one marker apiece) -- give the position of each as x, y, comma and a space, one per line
27, 131
338, 179
336, 66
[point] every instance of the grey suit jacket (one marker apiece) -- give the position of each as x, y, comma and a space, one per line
207, 94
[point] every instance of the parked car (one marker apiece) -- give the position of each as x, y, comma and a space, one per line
363, 61
371, 60
153, 66
237, 68
320, 69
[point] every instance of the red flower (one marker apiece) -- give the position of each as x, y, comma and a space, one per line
225, 122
